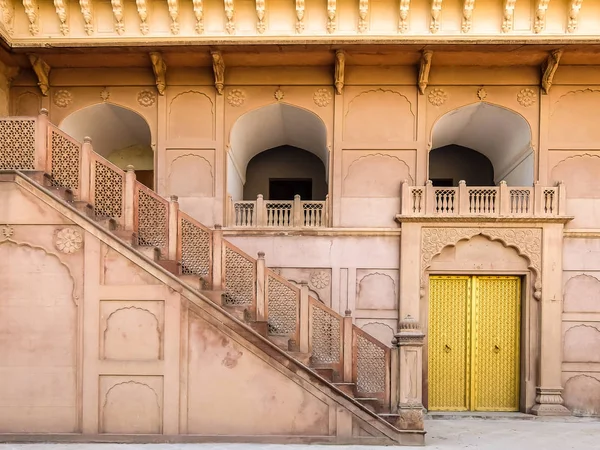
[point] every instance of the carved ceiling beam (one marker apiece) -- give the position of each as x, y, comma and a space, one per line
508, 15
574, 8
363, 10
8, 12
229, 14
299, 16
42, 71
218, 70
549, 69
260, 15
199, 13
540, 16
88, 17
436, 15
174, 13
31, 11
142, 9
424, 69
340, 68
403, 22
160, 71
467, 18
331, 12
61, 12
117, 9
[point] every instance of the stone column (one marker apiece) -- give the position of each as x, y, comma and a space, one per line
408, 342
549, 401
4, 90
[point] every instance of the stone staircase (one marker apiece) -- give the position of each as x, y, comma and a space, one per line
329, 344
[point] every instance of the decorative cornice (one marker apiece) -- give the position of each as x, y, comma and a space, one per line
199, 13
539, 23
403, 21
573, 14
260, 15
174, 13
88, 16
467, 19
480, 220
508, 15
436, 15
363, 10
117, 8
331, 12
142, 9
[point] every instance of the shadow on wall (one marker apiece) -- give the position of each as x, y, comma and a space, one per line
453, 163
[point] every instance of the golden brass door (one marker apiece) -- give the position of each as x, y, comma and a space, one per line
473, 343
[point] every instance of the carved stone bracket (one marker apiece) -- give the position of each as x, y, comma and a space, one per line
331, 12
527, 242
363, 11
174, 13
218, 70
436, 15
508, 15
549, 69
7, 9
229, 14
31, 11
142, 9
160, 71
539, 23
340, 67
260, 16
467, 19
42, 71
62, 13
299, 16
403, 21
88, 16
424, 68
199, 14
117, 8
574, 8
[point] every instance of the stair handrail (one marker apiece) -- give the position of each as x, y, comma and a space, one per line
263, 284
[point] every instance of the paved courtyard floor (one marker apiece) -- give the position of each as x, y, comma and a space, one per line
475, 434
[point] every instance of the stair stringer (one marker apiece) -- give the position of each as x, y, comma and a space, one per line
344, 414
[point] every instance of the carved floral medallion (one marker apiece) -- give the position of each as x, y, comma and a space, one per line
481, 93
526, 97
278, 95
236, 97
437, 97
319, 279
322, 97
63, 98
68, 240
146, 98
104, 94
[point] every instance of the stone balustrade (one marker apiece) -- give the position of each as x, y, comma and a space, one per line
295, 213
482, 201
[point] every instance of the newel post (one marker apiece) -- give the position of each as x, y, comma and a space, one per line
429, 198
409, 341
562, 199
504, 199
261, 315
463, 198
130, 180
217, 258
41, 142
325, 222
229, 212
538, 199
297, 212
405, 206
85, 180
173, 227
260, 216
347, 347
304, 318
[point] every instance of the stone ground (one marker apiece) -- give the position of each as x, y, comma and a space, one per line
442, 434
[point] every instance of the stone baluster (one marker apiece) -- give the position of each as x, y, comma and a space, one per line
463, 198
260, 215
173, 227
409, 341
538, 199
85, 178
504, 199
347, 350
41, 142
298, 213
130, 180
429, 198
217, 259
304, 318
260, 288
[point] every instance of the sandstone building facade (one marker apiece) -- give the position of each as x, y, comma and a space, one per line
296, 220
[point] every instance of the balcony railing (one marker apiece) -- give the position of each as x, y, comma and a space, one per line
494, 201
262, 213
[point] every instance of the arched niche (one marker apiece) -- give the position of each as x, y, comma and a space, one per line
500, 135
119, 134
274, 126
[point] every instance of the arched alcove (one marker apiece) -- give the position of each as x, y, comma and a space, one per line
282, 130
499, 135
118, 134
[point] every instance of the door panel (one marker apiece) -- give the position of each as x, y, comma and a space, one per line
449, 346
473, 343
496, 329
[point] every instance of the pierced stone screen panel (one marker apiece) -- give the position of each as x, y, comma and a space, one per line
195, 249
371, 365
325, 336
17, 144
108, 191
152, 221
65, 157
283, 304
239, 278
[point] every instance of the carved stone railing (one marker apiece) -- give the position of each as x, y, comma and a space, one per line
486, 201
291, 314
263, 213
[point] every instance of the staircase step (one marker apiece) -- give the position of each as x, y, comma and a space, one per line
260, 326
106, 222
64, 193
411, 419
150, 252
38, 176
304, 358
280, 341
346, 388
125, 235
239, 312
373, 404
328, 374
169, 265
85, 208
214, 296
194, 281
